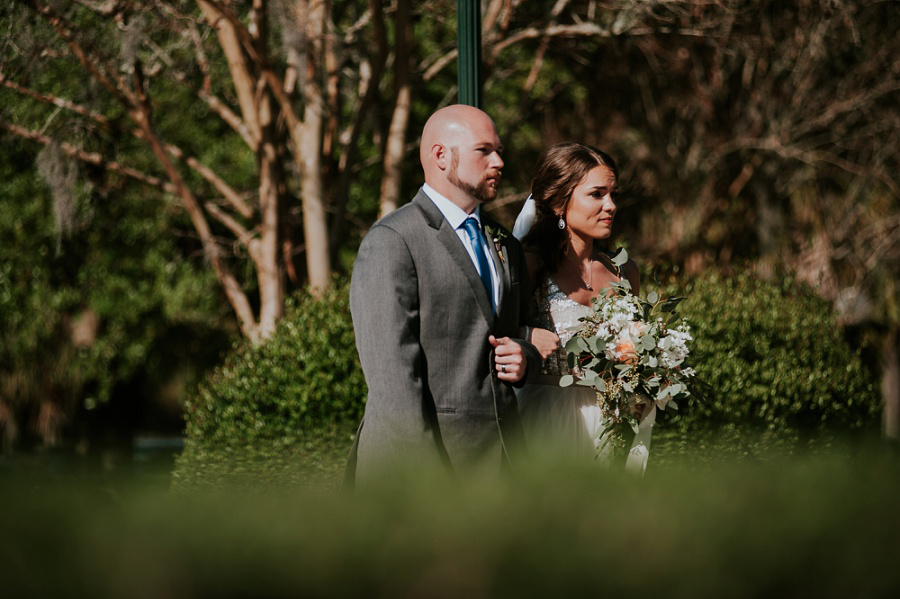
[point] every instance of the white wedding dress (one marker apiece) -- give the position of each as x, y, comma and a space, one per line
566, 420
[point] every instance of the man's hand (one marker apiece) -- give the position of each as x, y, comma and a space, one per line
509, 359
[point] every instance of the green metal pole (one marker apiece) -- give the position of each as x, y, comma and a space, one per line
468, 39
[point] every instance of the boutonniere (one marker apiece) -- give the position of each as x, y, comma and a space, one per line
498, 236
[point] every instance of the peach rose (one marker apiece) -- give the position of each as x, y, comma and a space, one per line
626, 351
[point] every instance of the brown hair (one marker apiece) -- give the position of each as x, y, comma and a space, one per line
558, 172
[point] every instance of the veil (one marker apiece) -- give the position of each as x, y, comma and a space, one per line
525, 220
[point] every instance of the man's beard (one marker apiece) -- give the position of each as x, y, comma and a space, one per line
481, 192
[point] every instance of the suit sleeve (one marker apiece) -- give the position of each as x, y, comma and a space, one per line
384, 303
528, 316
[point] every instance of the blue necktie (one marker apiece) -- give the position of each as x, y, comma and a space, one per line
474, 231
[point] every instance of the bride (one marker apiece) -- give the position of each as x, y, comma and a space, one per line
563, 226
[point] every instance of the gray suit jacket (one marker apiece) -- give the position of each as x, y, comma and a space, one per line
422, 318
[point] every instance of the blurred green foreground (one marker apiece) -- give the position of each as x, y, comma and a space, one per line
822, 525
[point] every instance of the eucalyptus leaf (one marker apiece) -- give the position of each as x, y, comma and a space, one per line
648, 342
670, 304
582, 344
621, 257
652, 297
587, 380
566, 380
600, 384
572, 345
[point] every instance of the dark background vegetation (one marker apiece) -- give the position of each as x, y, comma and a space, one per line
184, 185
173, 172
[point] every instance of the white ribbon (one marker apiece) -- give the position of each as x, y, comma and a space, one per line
640, 449
525, 219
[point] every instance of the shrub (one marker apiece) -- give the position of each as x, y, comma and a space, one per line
777, 366
816, 527
274, 409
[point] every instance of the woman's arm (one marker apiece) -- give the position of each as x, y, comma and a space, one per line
543, 340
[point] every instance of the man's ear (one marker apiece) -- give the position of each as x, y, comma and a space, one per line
440, 154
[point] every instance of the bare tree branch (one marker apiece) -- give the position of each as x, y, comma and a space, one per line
232, 196
114, 84
240, 232
94, 158
105, 8
54, 101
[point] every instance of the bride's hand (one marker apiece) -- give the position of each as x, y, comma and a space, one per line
637, 409
546, 342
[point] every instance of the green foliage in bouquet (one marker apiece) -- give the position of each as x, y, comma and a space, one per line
284, 409
632, 350
777, 367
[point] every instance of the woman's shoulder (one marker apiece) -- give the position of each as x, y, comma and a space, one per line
631, 272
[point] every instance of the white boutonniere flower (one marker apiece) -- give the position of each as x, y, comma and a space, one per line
498, 236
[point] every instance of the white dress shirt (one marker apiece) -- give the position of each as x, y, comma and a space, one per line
455, 217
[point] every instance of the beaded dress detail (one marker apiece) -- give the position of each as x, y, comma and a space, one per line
560, 314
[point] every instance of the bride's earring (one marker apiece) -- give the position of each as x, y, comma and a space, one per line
561, 224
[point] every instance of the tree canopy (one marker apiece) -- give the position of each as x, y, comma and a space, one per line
174, 157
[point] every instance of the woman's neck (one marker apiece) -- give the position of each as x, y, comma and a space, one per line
581, 249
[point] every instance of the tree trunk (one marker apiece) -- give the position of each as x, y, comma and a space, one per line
309, 150
272, 188
244, 82
368, 91
396, 141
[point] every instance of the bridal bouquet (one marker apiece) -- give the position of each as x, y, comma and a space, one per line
633, 352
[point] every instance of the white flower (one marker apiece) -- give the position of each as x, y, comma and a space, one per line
673, 347
637, 329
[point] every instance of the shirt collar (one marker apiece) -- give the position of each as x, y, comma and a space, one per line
453, 213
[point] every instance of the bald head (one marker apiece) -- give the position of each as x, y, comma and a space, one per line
460, 154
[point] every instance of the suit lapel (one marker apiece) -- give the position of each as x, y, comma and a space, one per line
501, 263
449, 239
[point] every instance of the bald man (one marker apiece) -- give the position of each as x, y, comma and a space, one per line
438, 295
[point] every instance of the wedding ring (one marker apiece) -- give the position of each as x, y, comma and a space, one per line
503, 368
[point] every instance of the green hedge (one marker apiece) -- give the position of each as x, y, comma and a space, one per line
804, 527
777, 366
283, 409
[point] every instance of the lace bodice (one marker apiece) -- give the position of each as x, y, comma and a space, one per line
558, 313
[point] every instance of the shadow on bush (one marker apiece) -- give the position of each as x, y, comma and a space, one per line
283, 411
779, 373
